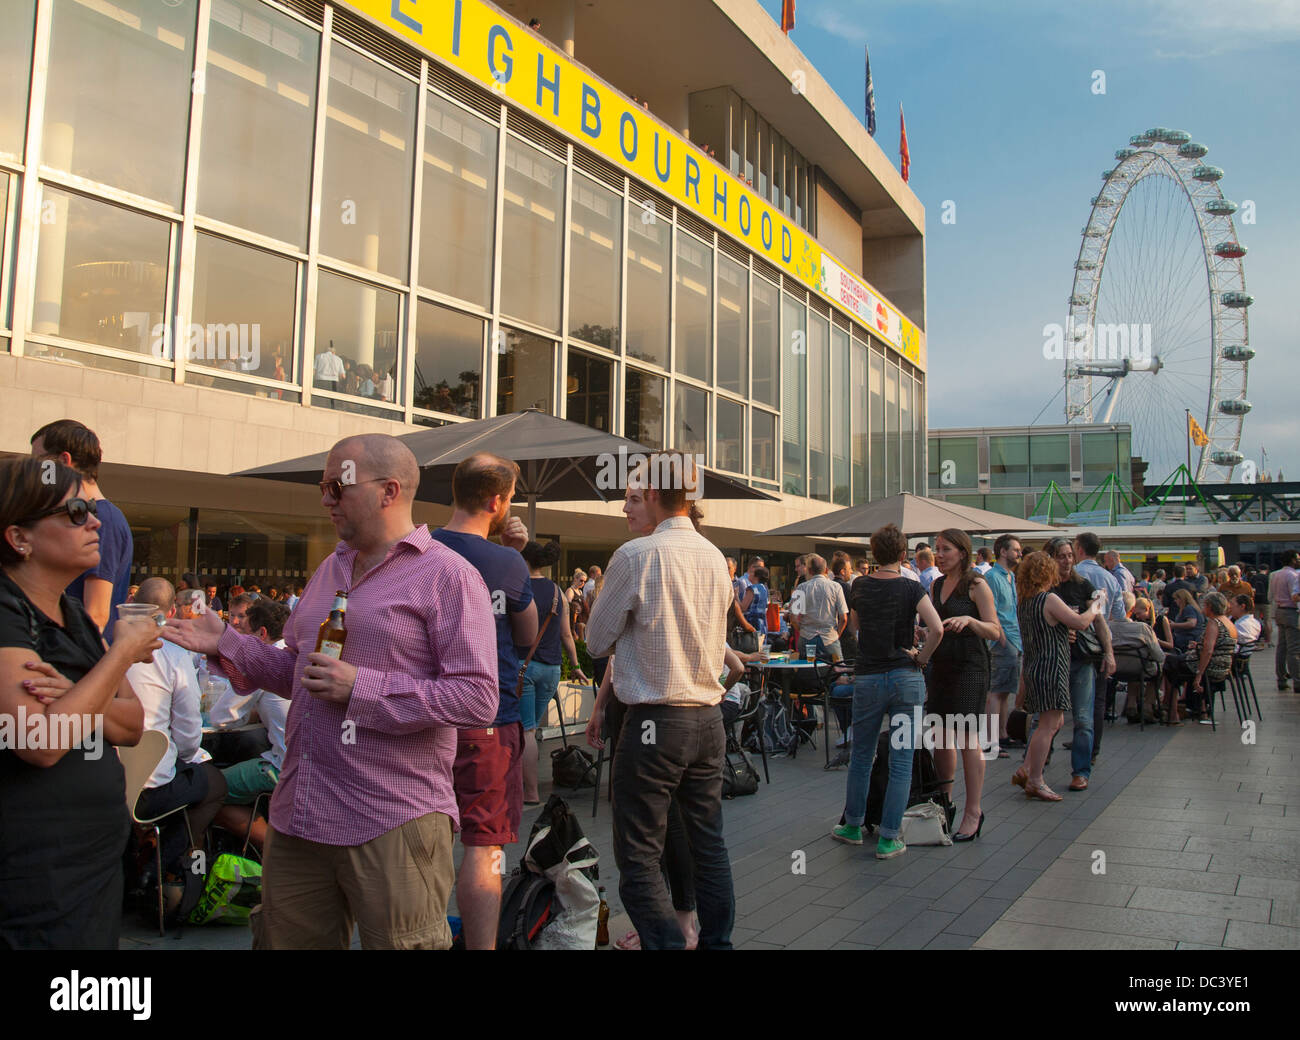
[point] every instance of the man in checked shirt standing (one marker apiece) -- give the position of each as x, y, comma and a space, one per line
663, 615
363, 815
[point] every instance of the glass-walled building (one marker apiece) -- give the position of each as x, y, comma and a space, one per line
288, 203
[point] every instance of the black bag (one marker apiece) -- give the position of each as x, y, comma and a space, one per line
744, 642
739, 777
572, 767
527, 906
925, 783
1088, 646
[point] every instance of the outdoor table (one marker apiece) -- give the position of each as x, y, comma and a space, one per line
786, 666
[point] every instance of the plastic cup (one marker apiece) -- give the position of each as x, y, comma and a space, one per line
810, 652
138, 613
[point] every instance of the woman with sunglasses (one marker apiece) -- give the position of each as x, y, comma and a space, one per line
63, 804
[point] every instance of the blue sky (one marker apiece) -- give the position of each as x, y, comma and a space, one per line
1002, 120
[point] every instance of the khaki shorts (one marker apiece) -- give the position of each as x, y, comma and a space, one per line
394, 887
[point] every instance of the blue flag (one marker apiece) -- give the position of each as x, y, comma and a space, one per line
871, 96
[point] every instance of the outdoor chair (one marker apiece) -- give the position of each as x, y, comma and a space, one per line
749, 720
1131, 666
138, 763
1243, 682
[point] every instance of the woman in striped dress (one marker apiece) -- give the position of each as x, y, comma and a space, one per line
1044, 619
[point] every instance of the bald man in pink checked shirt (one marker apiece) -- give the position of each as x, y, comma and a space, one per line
362, 819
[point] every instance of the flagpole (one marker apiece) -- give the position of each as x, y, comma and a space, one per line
1189, 444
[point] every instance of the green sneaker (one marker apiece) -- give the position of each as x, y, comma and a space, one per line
848, 835
888, 848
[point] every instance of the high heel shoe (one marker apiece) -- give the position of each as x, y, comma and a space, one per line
970, 837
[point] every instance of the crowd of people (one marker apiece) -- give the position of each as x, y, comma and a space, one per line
422, 725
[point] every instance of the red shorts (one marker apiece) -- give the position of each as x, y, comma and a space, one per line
489, 783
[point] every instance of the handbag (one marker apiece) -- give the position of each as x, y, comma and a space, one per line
925, 824
572, 767
1088, 645
523, 667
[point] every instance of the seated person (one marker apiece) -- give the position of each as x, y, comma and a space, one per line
168, 689
265, 619
1242, 611
1134, 637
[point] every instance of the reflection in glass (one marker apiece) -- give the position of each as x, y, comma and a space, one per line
101, 275
691, 421
356, 341
877, 418
919, 409
259, 115
366, 207
730, 437
588, 391
767, 342
118, 100
595, 234
458, 204
891, 425
858, 430
1009, 461
819, 426
907, 434
643, 411
956, 462
525, 373
15, 75
1099, 458
532, 244
694, 280
840, 387
794, 380
763, 459
733, 326
1011, 505
246, 298
648, 242
448, 360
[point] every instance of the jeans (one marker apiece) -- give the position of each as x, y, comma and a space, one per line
541, 684
900, 693
1083, 687
826, 648
1286, 659
669, 753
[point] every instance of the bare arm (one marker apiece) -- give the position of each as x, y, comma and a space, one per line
124, 717
1056, 610
524, 625
97, 598
566, 637
735, 669
933, 631
596, 723
987, 625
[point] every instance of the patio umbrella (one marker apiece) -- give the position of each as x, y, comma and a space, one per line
913, 514
559, 461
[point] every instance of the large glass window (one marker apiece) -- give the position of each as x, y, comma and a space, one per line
525, 373
4, 270
15, 75
259, 115
532, 244
1100, 458
921, 488
448, 361
588, 392
595, 234
858, 430
1049, 460
1009, 461
694, 280
733, 326
819, 410
956, 462
365, 214
794, 386
101, 275
877, 418
244, 303
763, 440
892, 430
840, 387
691, 421
907, 432
117, 104
648, 244
730, 436
1125, 460
1011, 505
458, 202
767, 342
356, 341
643, 412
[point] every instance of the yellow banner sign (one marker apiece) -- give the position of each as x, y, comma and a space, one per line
478, 41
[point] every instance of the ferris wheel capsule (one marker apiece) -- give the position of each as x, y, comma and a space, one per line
1207, 173
1193, 150
1227, 458
1237, 299
1230, 250
1104, 201
1221, 207
1176, 137
1235, 406
1238, 352
1158, 133
1125, 153
1085, 265
1140, 141
1078, 301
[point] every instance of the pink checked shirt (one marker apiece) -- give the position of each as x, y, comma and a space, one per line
423, 638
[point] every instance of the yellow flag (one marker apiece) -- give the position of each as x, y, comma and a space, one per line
1196, 433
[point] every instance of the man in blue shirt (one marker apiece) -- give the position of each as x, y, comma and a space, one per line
105, 585
1006, 653
1087, 546
488, 772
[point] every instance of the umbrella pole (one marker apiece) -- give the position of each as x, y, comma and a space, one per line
532, 517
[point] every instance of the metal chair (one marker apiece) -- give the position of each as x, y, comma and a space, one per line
138, 763
749, 710
1131, 665
1241, 679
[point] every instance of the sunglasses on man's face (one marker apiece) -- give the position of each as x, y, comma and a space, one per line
334, 488
76, 508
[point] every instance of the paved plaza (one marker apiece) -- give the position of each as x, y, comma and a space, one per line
1200, 831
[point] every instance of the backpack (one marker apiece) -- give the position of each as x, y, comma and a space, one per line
739, 777
527, 906
925, 783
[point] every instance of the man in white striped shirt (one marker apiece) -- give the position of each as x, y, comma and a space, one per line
663, 614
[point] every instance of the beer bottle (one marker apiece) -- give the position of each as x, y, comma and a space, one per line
602, 920
333, 633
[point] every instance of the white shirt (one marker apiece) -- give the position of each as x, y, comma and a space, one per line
820, 603
234, 709
984, 568
329, 367
168, 689
386, 387
1248, 629
906, 571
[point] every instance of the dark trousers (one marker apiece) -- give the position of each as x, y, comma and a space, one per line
1101, 704
666, 754
199, 786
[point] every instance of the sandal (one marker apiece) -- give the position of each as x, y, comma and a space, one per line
1079, 783
1020, 777
1042, 792
631, 941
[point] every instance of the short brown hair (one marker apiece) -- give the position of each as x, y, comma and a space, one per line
1037, 573
479, 478
888, 545
267, 614
672, 475
28, 487
840, 560
78, 440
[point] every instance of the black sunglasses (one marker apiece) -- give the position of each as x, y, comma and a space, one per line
334, 488
76, 508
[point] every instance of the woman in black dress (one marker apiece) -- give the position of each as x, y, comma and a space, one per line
958, 679
63, 815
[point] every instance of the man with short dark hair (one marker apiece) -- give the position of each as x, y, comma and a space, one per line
105, 585
986, 557
489, 762
819, 610
1006, 652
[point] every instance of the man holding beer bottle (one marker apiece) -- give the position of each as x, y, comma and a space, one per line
362, 819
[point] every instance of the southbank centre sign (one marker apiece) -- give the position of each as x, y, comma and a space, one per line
473, 38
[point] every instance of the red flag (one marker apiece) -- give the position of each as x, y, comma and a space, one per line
903, 153
787, 16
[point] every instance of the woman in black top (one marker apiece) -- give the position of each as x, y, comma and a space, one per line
63, 815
